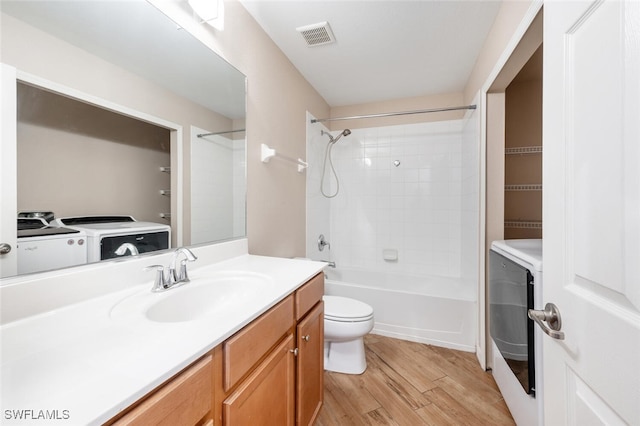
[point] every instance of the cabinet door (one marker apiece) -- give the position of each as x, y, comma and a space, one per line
185, 400
310, 366
266, 397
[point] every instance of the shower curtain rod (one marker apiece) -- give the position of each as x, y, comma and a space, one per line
201, 135
390, 114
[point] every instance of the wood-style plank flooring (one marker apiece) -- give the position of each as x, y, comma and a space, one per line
408, 384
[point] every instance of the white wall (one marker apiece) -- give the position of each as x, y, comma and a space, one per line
415, 208
239, 187
75, 159
211, 187
470, 197
318, 207
218, 187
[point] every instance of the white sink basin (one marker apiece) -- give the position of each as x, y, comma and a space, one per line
218, 295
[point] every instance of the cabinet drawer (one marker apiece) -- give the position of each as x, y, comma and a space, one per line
242, 351
308, 295
183, 401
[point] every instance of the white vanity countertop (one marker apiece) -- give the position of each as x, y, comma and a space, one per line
80, 363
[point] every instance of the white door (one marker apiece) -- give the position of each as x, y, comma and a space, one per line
8, 203
591, 212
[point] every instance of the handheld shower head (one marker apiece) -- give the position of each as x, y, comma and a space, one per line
345, 132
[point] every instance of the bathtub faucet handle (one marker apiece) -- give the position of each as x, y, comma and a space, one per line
323, 242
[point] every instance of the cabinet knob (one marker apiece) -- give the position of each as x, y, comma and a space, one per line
305, 338
294, 351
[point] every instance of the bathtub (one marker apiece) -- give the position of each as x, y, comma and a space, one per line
434, 310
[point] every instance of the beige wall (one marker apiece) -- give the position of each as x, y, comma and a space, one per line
397, 105
505, 25
75, 159
278, 98
507, 21
277, 101
36, 53
523, 128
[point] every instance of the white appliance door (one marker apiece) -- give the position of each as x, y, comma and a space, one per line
591, 214
45, 254
8, 200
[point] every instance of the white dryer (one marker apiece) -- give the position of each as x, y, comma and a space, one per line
105, 234
515, 286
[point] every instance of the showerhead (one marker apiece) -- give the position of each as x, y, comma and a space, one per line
345, 132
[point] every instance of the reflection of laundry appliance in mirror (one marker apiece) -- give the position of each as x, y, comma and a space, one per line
42, 247
105, 234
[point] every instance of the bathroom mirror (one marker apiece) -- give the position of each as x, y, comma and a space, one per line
121, 112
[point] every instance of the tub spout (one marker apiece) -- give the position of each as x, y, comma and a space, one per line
329, 264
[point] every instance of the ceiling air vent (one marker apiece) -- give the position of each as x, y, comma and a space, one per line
317, 34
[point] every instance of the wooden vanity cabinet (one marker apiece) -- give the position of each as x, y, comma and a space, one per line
286, 387
310, 366
268, 373
187, 399
266, 397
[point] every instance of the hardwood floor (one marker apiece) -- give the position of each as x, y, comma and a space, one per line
409, 383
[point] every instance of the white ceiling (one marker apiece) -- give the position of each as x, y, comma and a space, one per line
385, 49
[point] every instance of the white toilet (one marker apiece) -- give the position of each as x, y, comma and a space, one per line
346, 321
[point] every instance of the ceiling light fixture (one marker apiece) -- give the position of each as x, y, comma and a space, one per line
210, 11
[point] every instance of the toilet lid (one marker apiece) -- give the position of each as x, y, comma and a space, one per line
343, 308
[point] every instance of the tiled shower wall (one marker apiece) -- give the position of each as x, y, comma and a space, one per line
218, 180
402, 190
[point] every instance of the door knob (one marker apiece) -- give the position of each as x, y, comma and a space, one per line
5, 248
550, 315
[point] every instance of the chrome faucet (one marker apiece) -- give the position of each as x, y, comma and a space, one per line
170, 278
122, 250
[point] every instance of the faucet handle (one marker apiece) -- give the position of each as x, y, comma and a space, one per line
182, 274
160, 282
322, 242
178, 274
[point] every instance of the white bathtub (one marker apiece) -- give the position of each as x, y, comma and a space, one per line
435, 310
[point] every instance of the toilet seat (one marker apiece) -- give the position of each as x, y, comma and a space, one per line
344, 309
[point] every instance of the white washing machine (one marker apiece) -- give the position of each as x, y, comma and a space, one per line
515, 286
43, 248
105, 234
